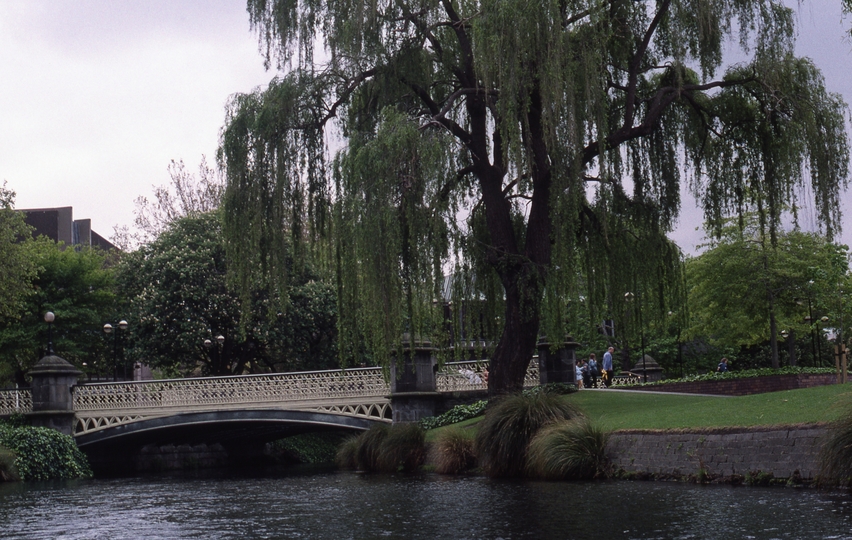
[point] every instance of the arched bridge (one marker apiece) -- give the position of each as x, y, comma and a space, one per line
349, 398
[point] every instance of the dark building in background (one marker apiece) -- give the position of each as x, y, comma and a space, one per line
59, 225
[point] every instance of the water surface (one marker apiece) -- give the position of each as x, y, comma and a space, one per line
349, 505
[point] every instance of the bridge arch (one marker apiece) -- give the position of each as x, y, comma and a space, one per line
226, 427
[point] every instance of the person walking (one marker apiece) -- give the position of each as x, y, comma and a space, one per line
607, 367
578, 375
594, 371
723, 366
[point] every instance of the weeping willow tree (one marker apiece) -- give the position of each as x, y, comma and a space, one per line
533, 150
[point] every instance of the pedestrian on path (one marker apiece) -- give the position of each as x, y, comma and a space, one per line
607, 367
594, 371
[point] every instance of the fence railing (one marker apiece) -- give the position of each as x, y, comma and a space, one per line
353, 384
16, 401
246, 389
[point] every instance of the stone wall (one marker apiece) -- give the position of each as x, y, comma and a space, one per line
744, 387
153, 458
719, 453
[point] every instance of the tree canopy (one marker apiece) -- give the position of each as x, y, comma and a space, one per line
534, 150
17, 266
77, 285
179, 297
744, 290
187, 195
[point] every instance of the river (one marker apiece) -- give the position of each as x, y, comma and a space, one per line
339, 505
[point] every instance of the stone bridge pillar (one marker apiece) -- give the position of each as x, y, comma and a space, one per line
557, 365
53, 403
413, 383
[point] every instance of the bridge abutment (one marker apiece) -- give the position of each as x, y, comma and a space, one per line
53, 403
413, 383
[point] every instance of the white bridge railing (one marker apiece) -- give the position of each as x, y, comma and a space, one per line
15, 401
245, 389
357, 392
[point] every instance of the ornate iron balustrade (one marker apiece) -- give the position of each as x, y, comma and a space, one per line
361, 392
469, 375
349, 384
15, 401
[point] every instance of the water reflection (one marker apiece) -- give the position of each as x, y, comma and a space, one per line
347, 505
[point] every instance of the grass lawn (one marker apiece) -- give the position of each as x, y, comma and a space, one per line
641, 410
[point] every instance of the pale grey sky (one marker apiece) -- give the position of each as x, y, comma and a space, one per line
97, 96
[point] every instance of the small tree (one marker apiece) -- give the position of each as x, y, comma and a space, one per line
743, 290
17, 265
179, 297
78, 286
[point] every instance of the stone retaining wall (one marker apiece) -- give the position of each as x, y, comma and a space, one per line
721, 453
154, 458
744, 387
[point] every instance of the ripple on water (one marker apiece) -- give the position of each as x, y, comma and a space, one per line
345, 505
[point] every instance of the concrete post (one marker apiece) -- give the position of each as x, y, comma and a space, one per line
413, 383
557, 366
53, 404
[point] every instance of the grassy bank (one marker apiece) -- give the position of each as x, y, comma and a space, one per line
615, 410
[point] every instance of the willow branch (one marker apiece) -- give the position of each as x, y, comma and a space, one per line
344, 95
633, 76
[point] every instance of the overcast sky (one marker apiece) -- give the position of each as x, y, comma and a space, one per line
98, 96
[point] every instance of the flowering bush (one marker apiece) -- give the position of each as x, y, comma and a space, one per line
744, 374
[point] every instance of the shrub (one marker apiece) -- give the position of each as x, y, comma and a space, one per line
457, 414
573, 450
384, 448
309, 447
744, 374
402, 450
509, 425
8, 471
835, 459
44, 454
345, 457
452, 451
552, 388
367, 449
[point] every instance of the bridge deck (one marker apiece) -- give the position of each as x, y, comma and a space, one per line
358, 392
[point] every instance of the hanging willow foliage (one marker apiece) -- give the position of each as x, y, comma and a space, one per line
514, 165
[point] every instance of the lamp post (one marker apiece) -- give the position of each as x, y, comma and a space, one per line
49, 317
220, 342
679, 353
823, 320
108, 329
628, 297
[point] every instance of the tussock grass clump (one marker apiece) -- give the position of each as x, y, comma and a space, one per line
403, 449
505, 432
345, 457
367, 449
8, 471
573, 450
452, 452
835, 459
384, 448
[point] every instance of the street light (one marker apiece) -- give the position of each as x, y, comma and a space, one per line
823, 320
679, 351
628, 297
49, 317
220, 341
108, 328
